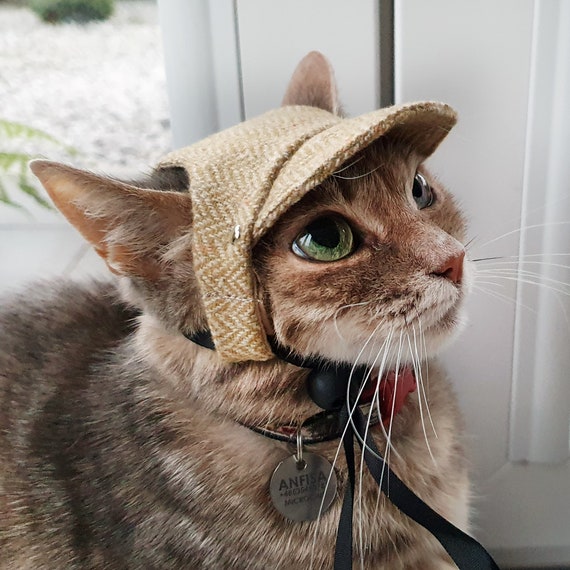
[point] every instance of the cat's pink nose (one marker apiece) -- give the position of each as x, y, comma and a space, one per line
452, 268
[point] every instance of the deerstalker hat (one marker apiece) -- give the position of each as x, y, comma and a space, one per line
244, 178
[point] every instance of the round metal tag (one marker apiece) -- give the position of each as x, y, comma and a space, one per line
299, 491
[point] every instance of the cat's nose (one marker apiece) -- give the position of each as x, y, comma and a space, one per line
452, 268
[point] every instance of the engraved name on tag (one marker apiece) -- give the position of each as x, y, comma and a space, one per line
299, 490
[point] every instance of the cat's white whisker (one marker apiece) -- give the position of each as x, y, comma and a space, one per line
349, 165
424, 357
522, 228
494, 283
384, 349
530, 278
343, 308
376, 401
420, 382
389, 437
422, 391
522, 262
376, 397
358, 175
501, 296
543, 254
340, 444
520, 268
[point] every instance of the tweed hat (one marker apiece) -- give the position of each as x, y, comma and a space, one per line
244, 178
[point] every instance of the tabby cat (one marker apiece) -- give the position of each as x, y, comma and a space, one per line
124, 444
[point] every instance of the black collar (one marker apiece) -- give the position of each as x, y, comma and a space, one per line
326, 385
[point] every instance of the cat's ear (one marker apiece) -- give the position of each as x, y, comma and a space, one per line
313, 84
129, 227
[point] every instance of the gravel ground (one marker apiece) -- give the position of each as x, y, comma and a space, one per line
100, 87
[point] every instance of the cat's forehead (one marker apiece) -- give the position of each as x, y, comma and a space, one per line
380, 171
243, 179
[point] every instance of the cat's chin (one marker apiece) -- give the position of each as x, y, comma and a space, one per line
392, 344
444, 331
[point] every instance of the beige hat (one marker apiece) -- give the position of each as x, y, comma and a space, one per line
244, 178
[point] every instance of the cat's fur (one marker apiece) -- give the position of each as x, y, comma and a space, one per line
120, 440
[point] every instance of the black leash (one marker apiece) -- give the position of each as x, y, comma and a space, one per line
327, 386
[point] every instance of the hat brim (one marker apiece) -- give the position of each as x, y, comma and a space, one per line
420, 125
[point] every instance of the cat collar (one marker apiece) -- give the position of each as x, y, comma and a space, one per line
392, 391
327, 386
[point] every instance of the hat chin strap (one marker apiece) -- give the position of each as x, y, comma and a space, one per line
327, 385
327, 382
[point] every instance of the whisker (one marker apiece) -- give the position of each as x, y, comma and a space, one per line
425, 356
516, 220
421, 390
384, 351
389, 446
522, 228
359, 175
398, 362
543, 254
480, 282
344, 307
522, 262
486, 258
346, 167
376, 401
361, 468
338, 449
418, 378
502, 297
538, 280
518, 270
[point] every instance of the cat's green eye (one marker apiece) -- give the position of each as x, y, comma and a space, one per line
422, 192
325, 239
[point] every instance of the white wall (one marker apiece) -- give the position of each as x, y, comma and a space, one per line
37, 244
504, 65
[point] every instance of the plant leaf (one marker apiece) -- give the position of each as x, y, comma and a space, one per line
5, 199
28, 189
8, 159
13, 130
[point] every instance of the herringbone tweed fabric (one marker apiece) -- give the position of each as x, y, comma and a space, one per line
244, 178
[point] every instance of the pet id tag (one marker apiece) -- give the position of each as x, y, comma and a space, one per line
303, 486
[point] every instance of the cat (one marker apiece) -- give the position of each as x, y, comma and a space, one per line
123, 444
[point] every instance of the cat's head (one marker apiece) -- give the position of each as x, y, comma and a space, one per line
363, 250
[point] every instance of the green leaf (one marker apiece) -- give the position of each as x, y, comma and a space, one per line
16, 133
30, 190
5, 199
33, 193
9, 159
13, 130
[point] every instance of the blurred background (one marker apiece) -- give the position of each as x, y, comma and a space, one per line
115, 94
